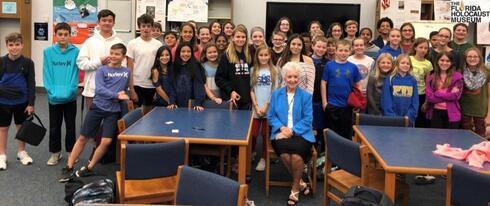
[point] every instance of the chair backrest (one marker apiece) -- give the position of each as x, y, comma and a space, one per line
467, 187
129, 119
343, 152
376, 120
211, 104
126, 107
146, 161
199, 187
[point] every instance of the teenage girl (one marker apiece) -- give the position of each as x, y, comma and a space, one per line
335, 31
371, 49
233, 74
215, 28
186, 79
264, 81
284, 25
210, 62
187, 34
382, 69
160, 77
363, 62
443, 37
314, 27
408, 37
204, 37
221, 43
421, 69
257, 36
400, 96
474, 102
393, 45
295, 52
443, 91
228, 28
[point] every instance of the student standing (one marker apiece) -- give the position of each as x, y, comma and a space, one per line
278, 40
335, 31
459, 44
339, 77
17, 75
204, 37
371, 49
285, 26
170, 39
221, 43
160, 75
257, 36
400, 96
186, 79
351, 27
421, 69
60, 78
362, 61
95, 51
156, 32
111, 85
443, 91
384, 27
215, 28
233, 74
474, 102
331, 49
408, 37
383, 69
228, 28
393, 45
319, 50
141, 57
264, 81
210, 61
444, 36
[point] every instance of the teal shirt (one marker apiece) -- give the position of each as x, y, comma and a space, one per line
60, 73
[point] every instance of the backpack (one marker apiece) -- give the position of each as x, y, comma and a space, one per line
365, 196
95, 188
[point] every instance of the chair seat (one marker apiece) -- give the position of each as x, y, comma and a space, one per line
148, 191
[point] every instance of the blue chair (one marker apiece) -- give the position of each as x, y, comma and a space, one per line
466, 187
126, 121
149, 171
214, 150
377, 120
126, 107
353, 160
198, 187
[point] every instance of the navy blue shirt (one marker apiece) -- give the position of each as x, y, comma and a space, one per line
340, 78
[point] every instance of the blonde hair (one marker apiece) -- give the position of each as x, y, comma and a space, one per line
397, 63
480, 65
350, 22
231, 51
256, 66
377, 70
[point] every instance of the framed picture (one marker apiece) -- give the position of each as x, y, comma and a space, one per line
483, 33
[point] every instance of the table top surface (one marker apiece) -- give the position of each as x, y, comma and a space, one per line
207, 124
402, 149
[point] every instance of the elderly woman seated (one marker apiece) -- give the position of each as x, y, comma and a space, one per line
290, 116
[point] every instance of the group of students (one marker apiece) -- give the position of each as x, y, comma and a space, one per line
436, 82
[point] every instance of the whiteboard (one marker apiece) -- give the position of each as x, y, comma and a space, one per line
423, 28
124, 13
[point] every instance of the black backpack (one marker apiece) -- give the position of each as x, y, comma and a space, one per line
95, 188
365, 196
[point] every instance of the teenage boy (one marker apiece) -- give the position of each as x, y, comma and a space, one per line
60, 77
319, 51
141, 57
95, 51
18, 78
384, 27
111, 83
339, 77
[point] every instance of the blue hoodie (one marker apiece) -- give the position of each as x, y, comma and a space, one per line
400, 96
60, 73
388, 49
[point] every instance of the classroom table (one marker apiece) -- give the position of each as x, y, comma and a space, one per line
409, 150
210, 126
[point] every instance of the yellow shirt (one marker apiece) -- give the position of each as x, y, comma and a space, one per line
420, 70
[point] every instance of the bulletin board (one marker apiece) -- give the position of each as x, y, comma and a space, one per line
423, 28
124, 12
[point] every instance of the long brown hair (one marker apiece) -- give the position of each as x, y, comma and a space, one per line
416, 43
256, 66
437, 70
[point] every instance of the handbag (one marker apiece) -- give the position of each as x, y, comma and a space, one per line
356, 99
31, 132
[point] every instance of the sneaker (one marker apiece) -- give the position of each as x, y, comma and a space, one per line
261, 165
83, 172
66, 174
3, 162
54, 159
24, 158
424, 179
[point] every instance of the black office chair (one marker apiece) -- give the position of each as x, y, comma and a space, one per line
199, 187
466, 187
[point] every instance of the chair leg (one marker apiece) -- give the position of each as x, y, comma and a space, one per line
228, 162
222, 161
267, 173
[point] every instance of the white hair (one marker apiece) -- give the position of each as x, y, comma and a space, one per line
290, 66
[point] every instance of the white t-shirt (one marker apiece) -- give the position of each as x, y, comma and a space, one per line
290, 109
364, 65
143, 53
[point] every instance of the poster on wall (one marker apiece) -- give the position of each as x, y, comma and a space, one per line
41, 31
155, 8
487, 56
186, 10
483, 33
400, 11
442, 10
81, 15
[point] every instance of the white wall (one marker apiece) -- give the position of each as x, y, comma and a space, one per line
253, 12
42, 11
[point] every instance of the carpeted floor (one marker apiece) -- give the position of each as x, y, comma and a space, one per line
37, 184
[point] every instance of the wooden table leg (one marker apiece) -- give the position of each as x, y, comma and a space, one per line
242, 164
390, 179
249, 157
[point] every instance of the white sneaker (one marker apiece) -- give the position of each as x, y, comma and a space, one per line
24, 158
260, 165
3, 162
54, 159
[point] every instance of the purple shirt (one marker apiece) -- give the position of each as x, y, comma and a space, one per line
108, 82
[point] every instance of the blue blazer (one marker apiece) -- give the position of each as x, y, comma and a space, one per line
302, 113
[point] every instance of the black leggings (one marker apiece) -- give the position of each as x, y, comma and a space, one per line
440, 120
